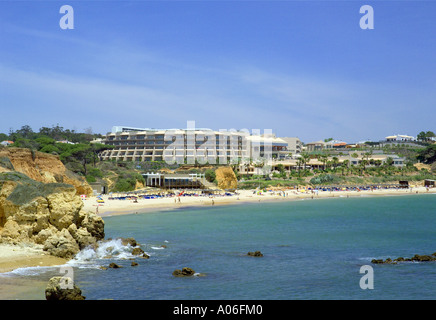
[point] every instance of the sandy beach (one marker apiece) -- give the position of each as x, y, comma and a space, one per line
116, 207
13, 257
22, 256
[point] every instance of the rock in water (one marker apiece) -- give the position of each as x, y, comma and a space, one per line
137, 251
131, 241
113, 265
58, 288
255, 254
185, 272
416, 257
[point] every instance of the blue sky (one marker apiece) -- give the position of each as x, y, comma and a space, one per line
300, 68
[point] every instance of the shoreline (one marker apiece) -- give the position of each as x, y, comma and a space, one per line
13, 257
18, 256
117, 207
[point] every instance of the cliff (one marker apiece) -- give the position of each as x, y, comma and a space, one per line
226, 178
46, 214
42, 167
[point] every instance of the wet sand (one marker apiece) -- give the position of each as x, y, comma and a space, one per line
20, 256
13, 257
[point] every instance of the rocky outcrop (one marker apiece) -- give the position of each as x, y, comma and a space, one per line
255, 254
226, 178
58, 289
113, 265
42, 167
46, 214
415, 258
185, 272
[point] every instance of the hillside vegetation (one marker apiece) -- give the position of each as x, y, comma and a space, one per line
81, 158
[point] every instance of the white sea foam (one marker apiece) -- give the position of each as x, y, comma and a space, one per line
112, 249
30, 271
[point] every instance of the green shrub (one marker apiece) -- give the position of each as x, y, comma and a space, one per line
124, 185
325, 179
90, 179
95, 172
210, 175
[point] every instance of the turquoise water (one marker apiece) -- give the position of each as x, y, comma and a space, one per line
313, 249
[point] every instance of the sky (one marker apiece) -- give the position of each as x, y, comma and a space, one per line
300, 68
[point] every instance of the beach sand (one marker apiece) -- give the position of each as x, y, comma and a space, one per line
21, 256
13, 257
117, 207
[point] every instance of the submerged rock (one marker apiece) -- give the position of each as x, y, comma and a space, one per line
62, 288
185, 272
137, 251
129, 241
113, 265
255, 254
416, 257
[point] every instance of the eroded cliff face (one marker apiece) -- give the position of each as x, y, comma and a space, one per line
46, 214
41, 167
226, 178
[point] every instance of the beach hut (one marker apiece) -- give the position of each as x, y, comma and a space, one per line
429, 183
404, 184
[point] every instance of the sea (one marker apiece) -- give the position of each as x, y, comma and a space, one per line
313, 249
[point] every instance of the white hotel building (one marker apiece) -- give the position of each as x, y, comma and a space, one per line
190, 145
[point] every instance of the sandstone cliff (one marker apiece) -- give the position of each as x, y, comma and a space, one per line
41, 167
46, 214
226, 178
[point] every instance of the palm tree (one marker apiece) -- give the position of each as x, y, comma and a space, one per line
335, 162
345, 165
305, 157
323, 158
299, 163
363, 164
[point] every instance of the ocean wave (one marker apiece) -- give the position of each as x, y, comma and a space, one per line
29, 271
112, 249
